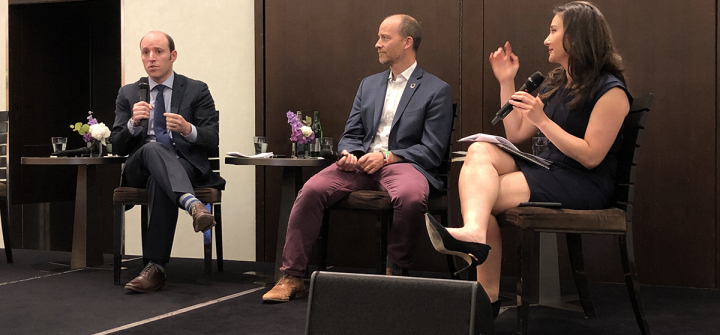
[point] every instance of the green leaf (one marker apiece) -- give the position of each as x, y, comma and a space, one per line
307, 121
83, 129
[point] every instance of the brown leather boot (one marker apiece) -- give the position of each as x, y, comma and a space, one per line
393, 269
396, 272
150, 279
202, 219
288, 287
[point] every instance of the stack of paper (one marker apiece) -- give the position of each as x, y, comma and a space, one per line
504, 144
261, 155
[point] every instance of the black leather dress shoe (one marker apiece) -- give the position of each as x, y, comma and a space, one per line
151, 279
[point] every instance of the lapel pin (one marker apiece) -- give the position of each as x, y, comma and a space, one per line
412, 85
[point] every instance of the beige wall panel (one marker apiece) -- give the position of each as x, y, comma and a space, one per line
215, 44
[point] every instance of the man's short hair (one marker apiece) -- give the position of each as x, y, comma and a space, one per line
411, 27
171, 43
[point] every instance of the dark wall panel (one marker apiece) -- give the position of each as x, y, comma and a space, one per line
316, 54
64, 61
314, 60
676, 201
675, 220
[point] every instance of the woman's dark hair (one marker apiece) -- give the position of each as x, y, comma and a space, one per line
591, 52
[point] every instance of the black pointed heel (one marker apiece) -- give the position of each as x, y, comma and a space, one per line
473, 253
496, 308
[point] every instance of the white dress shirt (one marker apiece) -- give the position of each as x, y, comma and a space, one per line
393, 94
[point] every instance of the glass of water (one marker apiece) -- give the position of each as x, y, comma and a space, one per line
326, 143
539, 144
59, 144
260, 143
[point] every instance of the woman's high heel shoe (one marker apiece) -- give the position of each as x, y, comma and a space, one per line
473, 253
496, 308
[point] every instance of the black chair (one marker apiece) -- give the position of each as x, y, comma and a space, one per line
123, 196
380, 203
3, 186
614, 221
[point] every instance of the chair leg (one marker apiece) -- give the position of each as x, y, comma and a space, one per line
207, 249
323, 243
385, 224
218, 237
144, 222
118, 239
628, 260
527, 273
574, 244
6, 229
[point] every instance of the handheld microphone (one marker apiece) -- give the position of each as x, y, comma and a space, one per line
331, 155
530, 85
73, 152
144, 96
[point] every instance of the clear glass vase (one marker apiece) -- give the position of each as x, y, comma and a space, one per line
300, 150
97, 149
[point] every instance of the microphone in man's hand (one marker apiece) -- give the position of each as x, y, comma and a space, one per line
331, 155
144, 96
530, 85
73, 152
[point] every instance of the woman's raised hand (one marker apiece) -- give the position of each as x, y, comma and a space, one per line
529, 106
504, 63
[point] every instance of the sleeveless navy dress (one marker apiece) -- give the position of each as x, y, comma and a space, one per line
567, 181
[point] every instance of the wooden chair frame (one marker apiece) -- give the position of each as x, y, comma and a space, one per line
614, 221
124, 196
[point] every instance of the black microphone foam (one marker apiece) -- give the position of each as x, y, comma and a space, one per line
530, 85
331, 155
74, 152
144, 96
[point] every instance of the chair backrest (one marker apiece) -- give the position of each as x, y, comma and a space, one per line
214, 156
3, 145
632, 131
444, 168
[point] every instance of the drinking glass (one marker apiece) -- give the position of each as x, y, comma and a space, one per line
326, 143
260, 143
59, 144
108, 146
539, 144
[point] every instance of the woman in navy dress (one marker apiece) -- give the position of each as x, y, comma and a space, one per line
580, 109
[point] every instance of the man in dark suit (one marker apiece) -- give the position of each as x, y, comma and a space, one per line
395, 138
168, 139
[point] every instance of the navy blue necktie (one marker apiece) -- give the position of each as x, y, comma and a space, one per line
159, 123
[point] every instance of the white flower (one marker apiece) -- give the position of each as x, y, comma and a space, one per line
100, 132
307, 131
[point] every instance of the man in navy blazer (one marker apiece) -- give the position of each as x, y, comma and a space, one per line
395, 138
168, 138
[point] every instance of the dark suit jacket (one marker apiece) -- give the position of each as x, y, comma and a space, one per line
420, 132
191, 99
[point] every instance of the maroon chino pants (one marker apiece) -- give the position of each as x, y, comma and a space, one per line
408, 191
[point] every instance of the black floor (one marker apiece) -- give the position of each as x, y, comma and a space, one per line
40, 295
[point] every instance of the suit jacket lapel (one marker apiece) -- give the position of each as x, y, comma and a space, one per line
380, 100
177, 94
410, 87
